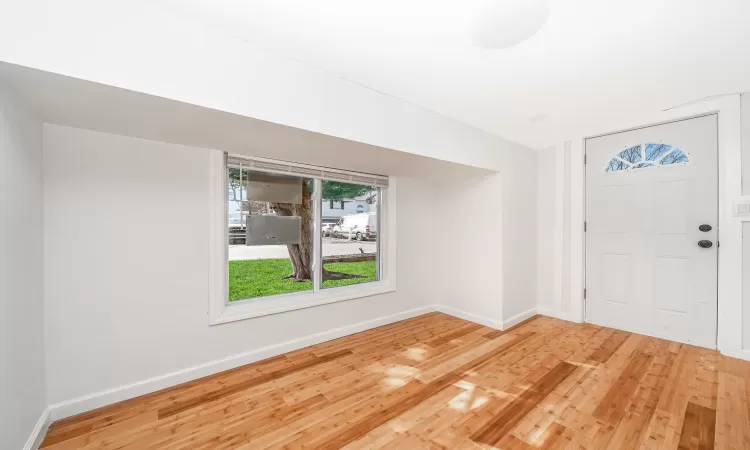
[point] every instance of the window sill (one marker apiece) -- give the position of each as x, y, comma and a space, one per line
264, 306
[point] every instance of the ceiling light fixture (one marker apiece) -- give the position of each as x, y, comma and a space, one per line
505, 23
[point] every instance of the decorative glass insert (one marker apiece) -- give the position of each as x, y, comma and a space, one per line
646, 155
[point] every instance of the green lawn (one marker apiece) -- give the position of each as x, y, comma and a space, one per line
263, 277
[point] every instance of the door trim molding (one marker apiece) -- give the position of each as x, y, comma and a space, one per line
651, 125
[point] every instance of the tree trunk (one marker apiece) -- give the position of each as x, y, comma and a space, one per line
301, 254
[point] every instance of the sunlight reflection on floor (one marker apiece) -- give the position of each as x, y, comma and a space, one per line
398, 375
468, 399
415, 353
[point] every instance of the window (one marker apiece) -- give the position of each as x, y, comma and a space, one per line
646, 156
283, 246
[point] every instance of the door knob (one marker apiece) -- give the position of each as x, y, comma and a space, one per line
705, 244
705, 227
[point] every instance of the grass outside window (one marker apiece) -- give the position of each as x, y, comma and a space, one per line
264, 277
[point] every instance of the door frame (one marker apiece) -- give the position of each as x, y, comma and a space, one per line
718, 182
570, 201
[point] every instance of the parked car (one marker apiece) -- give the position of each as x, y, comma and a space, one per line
328, 228
362, 226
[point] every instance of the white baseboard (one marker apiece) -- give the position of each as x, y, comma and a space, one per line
461, 314
736, 353
39, 431
492, 323
556, 314
518, 318
98, 399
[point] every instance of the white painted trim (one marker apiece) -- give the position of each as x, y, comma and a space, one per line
39, 431
737, 353
576, 254
265, 306
317, 227
518, 318
98, 399
549, 312
558, 237
471, 317
218, 259
729, 339
220, 311
492, 323
729, 323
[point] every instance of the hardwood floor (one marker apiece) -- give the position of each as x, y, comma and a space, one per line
439, 382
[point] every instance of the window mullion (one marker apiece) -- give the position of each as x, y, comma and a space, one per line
317, 234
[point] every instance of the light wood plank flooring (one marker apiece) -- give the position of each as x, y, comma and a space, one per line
438, 382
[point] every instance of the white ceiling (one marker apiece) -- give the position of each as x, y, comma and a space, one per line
594, 63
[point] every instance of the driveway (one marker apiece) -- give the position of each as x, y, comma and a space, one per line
331, 247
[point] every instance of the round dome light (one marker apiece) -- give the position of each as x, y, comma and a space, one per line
505, 23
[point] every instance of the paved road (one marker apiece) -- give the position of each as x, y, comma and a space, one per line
330, 247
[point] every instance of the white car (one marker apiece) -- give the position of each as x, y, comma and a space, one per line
328, 228
362, 226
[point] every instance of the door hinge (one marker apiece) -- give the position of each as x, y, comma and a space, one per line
585, 158
584, 293
585, 226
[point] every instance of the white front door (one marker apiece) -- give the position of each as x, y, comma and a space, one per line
652, 230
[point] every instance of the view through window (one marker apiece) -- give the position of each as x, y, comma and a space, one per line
270, 234
350, 240
271, 241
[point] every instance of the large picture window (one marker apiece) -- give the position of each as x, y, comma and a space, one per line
295, 233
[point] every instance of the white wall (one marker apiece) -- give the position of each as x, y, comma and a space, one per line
745, 131
127, 290
175, 59
491, 244
22, 372
746, 285
472, 270
546, 229
519, 177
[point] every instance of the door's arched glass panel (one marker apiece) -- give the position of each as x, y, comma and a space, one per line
646, 156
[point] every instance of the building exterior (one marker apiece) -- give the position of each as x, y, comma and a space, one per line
334, 210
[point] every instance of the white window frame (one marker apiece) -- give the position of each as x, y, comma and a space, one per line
220, 310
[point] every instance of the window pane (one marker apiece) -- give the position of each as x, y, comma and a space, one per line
654, 152
676, 157
350, 233
270, 219
631, 155
616, 165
